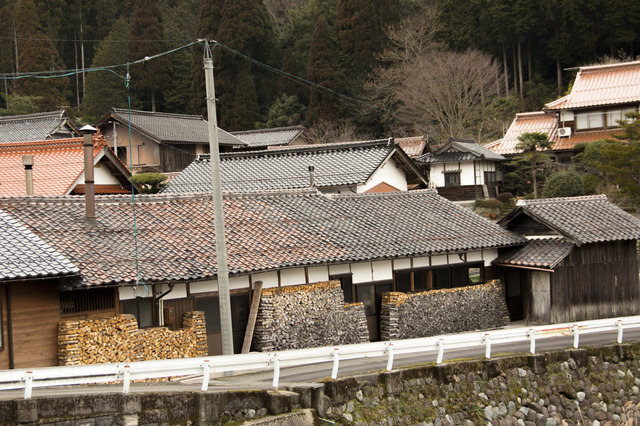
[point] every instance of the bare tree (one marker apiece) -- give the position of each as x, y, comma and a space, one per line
280, 10
329, 132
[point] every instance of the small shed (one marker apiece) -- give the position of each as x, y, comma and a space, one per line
580, 262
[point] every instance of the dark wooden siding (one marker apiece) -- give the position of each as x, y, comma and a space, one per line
180, 306
461, 193
524, 225
4, 348
176, 157
35, 314
597, 280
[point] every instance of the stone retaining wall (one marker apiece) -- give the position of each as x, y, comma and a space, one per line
455, 310
118, 339
306, 316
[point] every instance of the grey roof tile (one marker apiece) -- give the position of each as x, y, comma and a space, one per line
262, 138
334, 165
24, 255
459, 150
582, 220
264, 231
543, 253
172, 128
36, 127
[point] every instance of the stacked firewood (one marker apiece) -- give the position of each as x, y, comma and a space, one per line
118, 339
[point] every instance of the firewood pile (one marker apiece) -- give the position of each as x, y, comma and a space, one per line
118, 339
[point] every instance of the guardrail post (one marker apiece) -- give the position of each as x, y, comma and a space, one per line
336, 361
440, 351
576, 336
28, 385
532, 338
126, 379
620, 328
487, 342
205, 375
390, 361
276, 372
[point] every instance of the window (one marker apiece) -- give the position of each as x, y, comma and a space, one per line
452, 179
78, 301
616, 115
590, 120
490, 178
439, 277
142, 309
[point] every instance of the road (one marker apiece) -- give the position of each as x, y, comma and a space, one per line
310, 374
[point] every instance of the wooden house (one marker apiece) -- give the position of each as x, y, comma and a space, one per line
580, 262
163, 142
31, 275
164, 260
56, 167
462, 170
354, 167
600, 97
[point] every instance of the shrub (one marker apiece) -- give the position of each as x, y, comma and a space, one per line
566, 183
505, 197
488, 204
149, 183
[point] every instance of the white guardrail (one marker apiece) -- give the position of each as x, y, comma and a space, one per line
27, 379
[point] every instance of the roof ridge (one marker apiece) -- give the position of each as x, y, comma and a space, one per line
159, 114
298, 150
561, 200
598, 67
271, 129
414, 192
36, 115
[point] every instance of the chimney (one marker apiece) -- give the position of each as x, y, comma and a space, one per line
311, 180
89, 188
27, 162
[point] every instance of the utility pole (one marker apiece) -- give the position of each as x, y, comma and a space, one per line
218, 209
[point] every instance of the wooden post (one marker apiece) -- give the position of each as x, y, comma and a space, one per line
253, 315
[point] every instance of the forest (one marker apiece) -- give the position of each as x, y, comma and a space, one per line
344, 69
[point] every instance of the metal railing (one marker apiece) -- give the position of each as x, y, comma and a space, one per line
28, 379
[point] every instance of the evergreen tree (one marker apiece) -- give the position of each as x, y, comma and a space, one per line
38, 53
146, 39
105, 89
531, 144
321, 70
240, 111
361, 26
208, 21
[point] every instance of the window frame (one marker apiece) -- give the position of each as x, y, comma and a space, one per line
448, 175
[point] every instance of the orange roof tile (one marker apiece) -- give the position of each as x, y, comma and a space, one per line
583, 137
602, 85
57, 165
525, 122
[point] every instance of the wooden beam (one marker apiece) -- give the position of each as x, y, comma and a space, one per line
253, 315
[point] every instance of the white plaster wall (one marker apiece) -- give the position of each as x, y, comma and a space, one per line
127, 293
318, 273
292, 276
179, 291
382, 270
389, 173
361, 272
203, 286
489, 256
439, 260
401, 264
339, 269
269, 279
421, 262
241, 282
467, 173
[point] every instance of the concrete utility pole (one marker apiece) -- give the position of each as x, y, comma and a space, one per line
216, 195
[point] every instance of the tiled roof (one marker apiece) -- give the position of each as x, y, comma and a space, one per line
543, 253
412, 146
459, 150
262, 138
36, 127
23, 255
581, 220
57, 165
334, 165
602, 85
268, 231
170, 128
525, 122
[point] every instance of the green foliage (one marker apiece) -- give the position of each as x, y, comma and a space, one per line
531, 143
505, 197
591, 183
149, 183
286, 111
17, 104
107, 90
566, 183
489, 203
